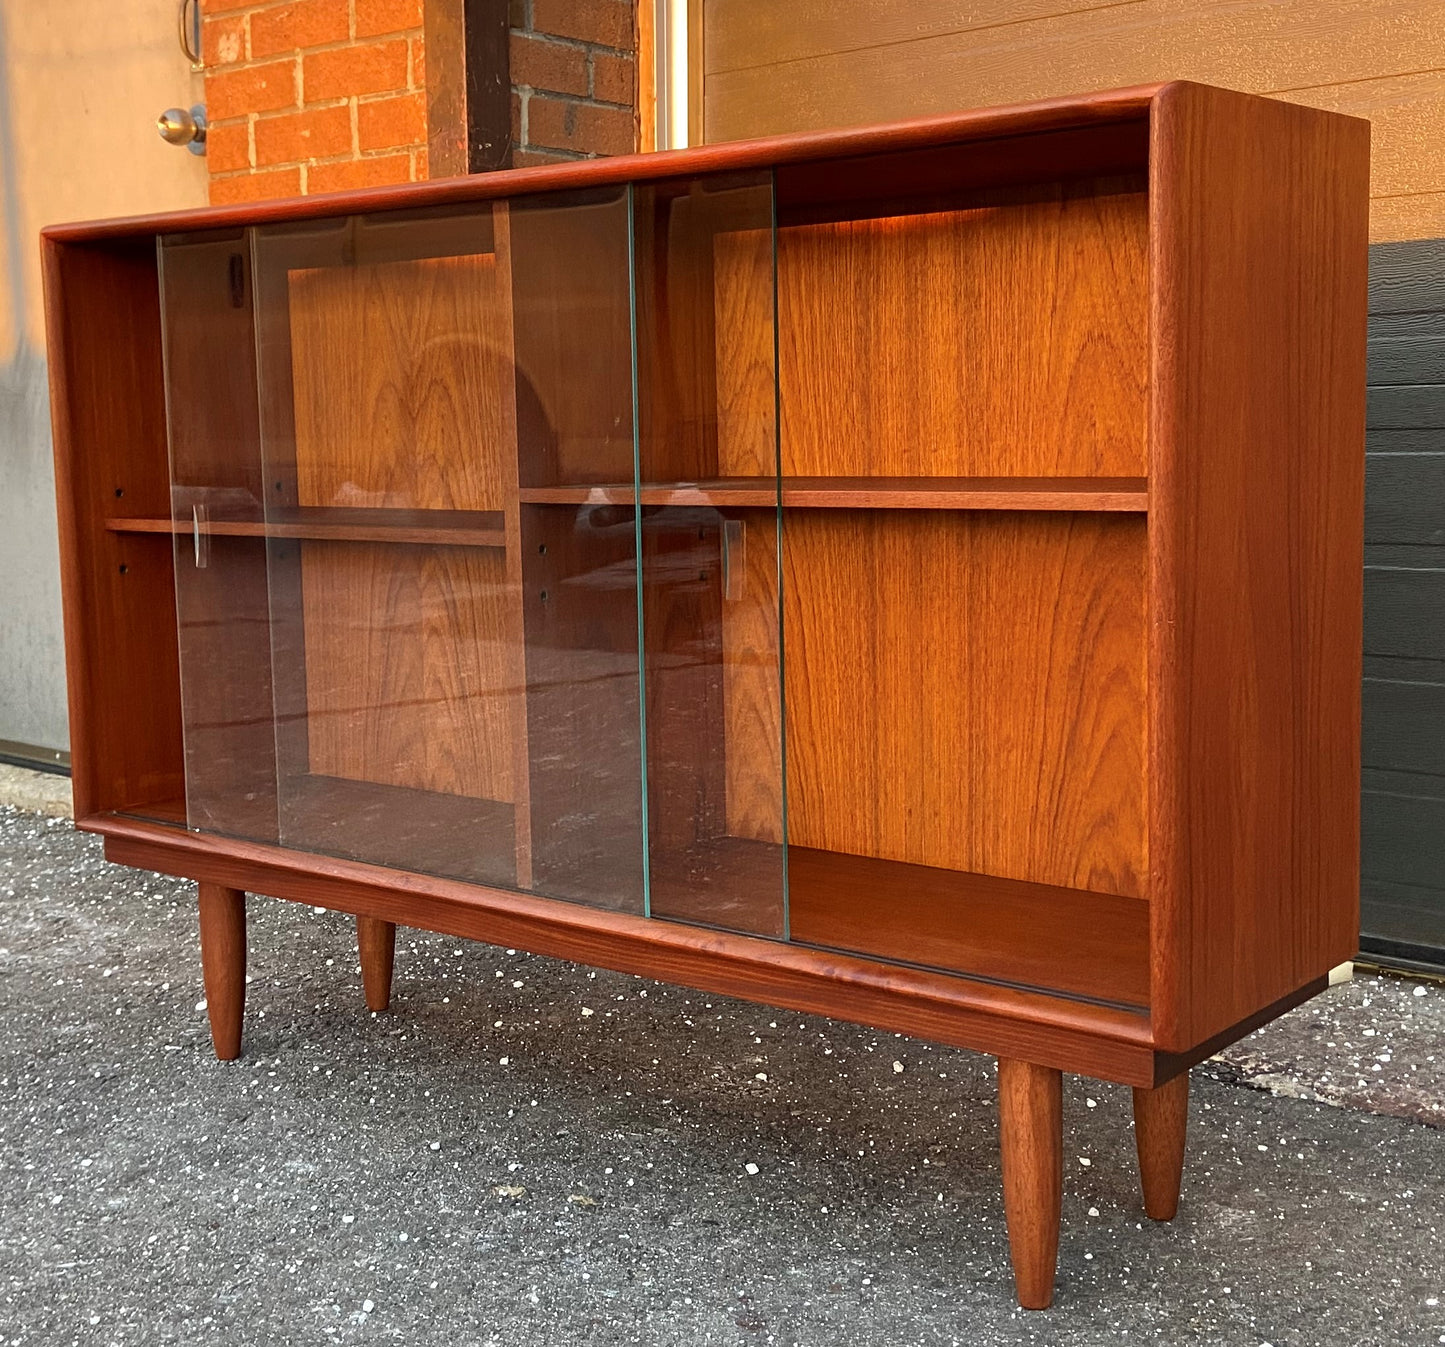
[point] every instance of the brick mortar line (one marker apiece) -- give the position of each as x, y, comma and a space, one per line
575, 43
327, 161
579, 100
321, 105
268, 6
293, 53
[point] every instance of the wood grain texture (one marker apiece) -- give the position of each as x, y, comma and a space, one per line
960, 176
427, 832
1033, 318
408, 677
1161, 1124
752, 668
745, 356
1031, 1146
1255, 562
376, 949
223, 964
1242, 568
107, 406
1065, 940
1127, 495
1108, 1042
977, 124
453, 528
398, 370
966, 691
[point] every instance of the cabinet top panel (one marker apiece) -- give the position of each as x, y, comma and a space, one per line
1079, 111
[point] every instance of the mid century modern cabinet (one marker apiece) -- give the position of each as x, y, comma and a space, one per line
909, 574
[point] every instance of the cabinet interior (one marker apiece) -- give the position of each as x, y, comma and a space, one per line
766, 551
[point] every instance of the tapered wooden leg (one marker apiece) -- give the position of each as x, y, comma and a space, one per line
376, 939
1161, 1119
1031, 1140
223, 964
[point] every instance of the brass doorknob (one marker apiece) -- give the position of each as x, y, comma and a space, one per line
184, 126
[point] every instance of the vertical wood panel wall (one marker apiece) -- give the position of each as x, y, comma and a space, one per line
809, 64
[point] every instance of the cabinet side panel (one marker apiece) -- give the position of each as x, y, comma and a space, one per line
108, 412
1256, 500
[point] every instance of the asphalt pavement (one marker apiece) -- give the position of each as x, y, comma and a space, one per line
524, 1151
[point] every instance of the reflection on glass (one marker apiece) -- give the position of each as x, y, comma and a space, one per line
390, 651
707, 441
222, 607
412, 563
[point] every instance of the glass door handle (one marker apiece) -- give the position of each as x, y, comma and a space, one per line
200, 536
734, 563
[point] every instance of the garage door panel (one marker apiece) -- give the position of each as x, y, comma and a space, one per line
1404, 725
1405, 498
1405, 608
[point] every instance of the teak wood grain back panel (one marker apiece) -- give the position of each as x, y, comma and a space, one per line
967, 691
409, 680
1256, 500
752, 682
398, 370
1008, 339
746, 359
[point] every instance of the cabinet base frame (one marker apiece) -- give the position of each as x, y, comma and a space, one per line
1104, 1042
1018, 1027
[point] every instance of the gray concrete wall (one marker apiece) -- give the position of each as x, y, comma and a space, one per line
32, 674
32, 669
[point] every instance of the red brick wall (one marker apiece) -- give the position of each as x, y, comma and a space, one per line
574, 79
318, 95
313, 95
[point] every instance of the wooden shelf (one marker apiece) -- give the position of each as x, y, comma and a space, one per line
951, 921
1122, 494
450, 528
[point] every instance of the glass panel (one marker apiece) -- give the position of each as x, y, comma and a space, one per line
221, 593
435, 657
578, 529
708, 465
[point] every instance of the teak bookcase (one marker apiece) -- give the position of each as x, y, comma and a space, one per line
909, 574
